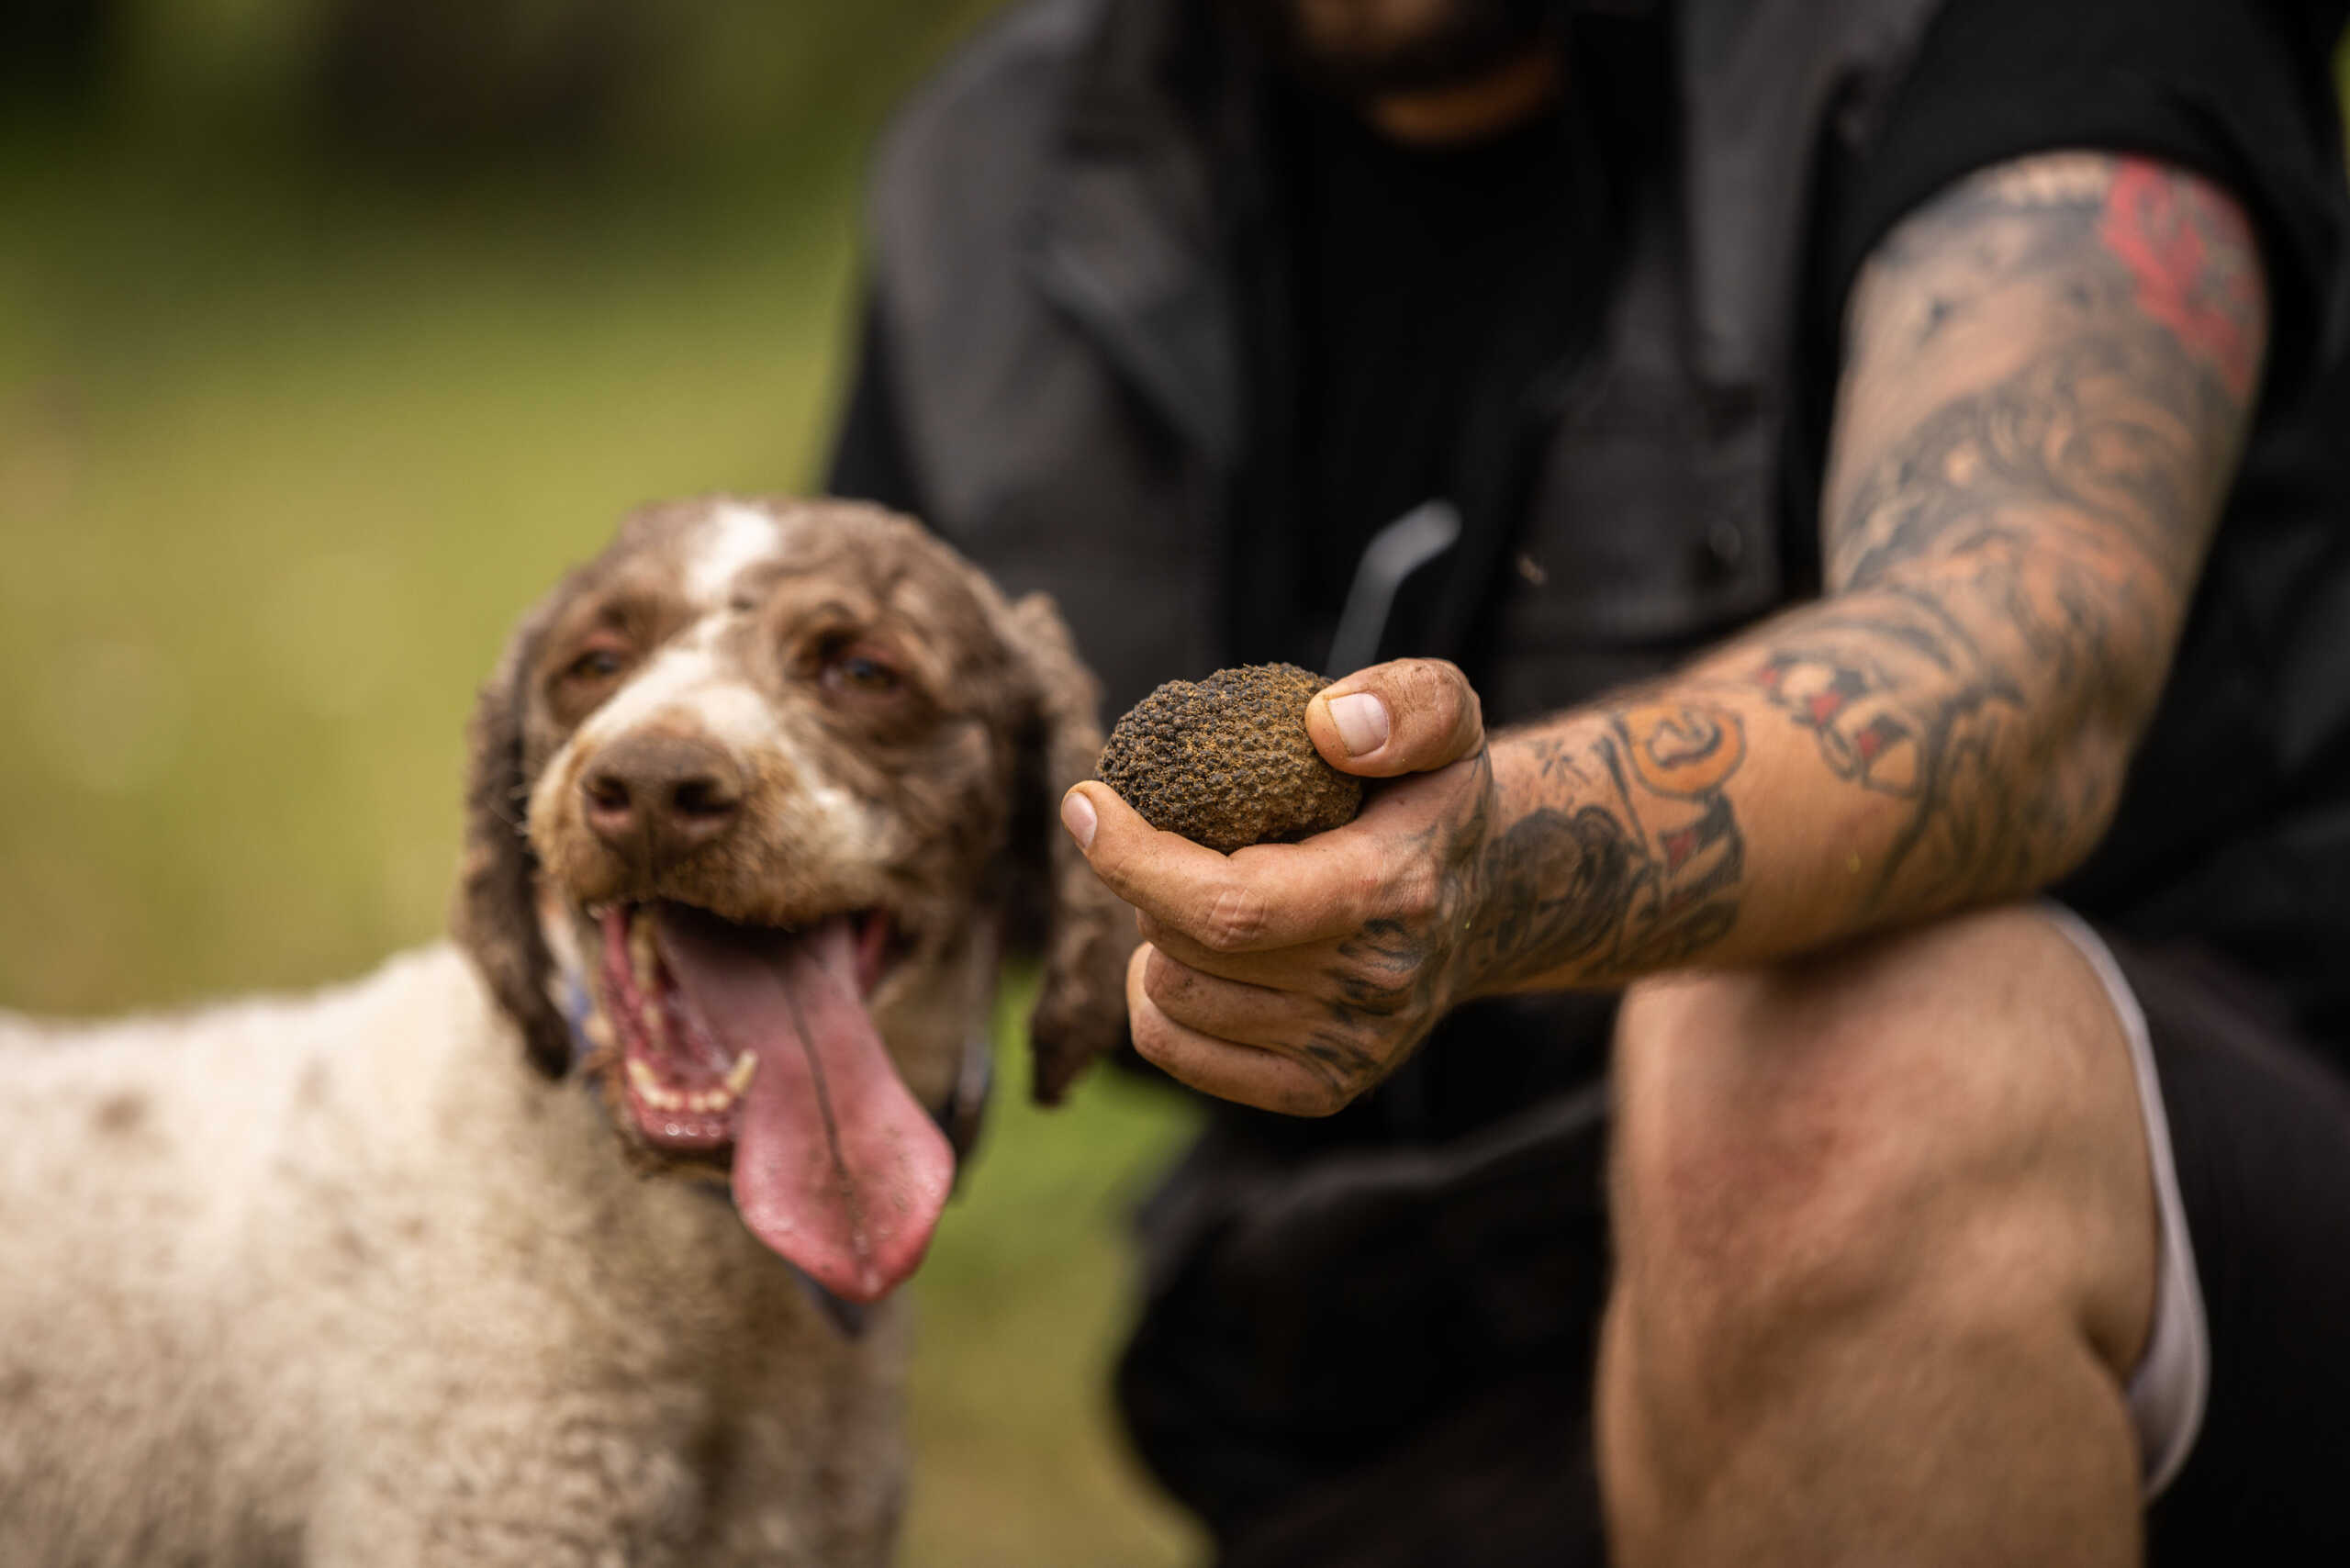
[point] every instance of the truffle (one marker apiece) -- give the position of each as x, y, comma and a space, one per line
1226, 761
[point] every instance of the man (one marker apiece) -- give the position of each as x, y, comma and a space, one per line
1997, 348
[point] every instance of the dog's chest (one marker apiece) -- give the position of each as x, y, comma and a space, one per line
343, 1273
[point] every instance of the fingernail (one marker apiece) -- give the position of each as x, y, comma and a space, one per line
1361, 720
1076, 815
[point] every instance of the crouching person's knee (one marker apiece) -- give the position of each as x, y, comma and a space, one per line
1928, 1137
1765, 1180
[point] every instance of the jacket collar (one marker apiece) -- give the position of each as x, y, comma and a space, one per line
1137, 214
1759, 79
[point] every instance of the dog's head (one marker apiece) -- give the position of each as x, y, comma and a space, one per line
753, 795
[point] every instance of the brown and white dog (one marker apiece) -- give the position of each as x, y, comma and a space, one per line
365, 1277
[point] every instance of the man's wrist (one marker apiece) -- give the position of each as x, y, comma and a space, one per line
1613, 847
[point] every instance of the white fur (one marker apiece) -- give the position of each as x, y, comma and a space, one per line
338, 1281
683, 668
733, 537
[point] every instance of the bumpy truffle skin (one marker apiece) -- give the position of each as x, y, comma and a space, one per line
1226, 762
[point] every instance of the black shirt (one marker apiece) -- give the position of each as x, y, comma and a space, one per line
1413, 270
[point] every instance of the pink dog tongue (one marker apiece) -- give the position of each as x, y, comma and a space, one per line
836, 1166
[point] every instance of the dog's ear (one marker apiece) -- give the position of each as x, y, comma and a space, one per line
1087, 931
497, 915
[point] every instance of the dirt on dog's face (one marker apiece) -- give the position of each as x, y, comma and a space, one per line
771, 754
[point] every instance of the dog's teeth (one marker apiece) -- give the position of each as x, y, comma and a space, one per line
738, 1077
649, 1089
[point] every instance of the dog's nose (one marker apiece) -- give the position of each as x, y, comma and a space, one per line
656, 798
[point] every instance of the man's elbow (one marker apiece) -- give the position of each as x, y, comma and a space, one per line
2079, 779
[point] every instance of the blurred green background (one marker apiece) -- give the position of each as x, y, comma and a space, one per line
330, 332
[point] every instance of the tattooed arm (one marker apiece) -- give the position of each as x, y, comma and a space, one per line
2050, 371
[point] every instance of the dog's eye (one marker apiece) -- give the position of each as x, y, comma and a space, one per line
867, 674
861, 668
596, 664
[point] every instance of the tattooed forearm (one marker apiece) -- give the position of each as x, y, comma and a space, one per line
1639, 863
2050, 374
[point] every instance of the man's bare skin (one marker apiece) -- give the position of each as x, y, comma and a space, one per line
1886, 1234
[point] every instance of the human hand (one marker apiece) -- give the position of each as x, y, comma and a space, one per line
1294, 977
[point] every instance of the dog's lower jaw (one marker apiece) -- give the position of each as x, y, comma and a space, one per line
688, 1090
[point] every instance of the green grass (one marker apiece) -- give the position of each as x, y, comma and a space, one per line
282, 457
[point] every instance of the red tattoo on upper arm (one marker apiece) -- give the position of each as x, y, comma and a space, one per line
2197, 269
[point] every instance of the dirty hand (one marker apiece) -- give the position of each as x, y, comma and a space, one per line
1293, 977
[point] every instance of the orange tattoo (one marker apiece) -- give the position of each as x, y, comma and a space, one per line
1677, 749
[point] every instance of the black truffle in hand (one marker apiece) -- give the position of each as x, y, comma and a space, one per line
1226, 762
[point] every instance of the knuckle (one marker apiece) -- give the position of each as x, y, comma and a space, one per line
1413, 895
1416, 688
1435, 685
1237, 919
1400, 884
1436, 702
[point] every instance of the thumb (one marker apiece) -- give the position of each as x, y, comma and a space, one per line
1405, 716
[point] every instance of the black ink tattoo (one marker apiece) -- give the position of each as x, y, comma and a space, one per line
1642, 870
2016, 563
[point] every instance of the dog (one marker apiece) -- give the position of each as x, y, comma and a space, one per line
575, 1240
